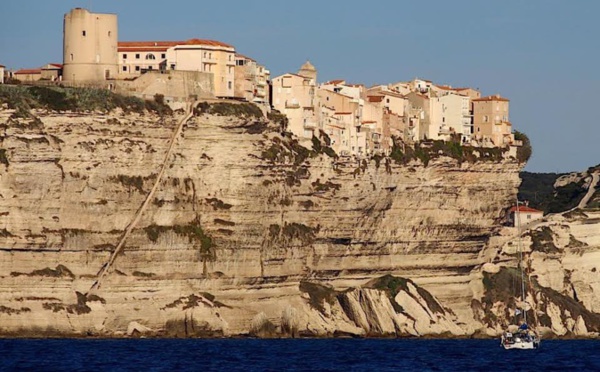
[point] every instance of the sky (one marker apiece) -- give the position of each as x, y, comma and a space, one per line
541, 54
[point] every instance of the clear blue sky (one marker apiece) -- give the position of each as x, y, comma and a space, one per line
542, 54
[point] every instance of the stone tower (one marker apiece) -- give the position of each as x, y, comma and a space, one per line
90, 46
309, 71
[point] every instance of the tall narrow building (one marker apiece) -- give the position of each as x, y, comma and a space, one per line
90, 42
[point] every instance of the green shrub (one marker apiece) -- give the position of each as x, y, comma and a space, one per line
241, 110
3, 158
523, 152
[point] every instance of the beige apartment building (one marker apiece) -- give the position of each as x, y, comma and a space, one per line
218, 58
453, 114
251, 80
491, 120
2, 72
89, 46
295, 95
341, 117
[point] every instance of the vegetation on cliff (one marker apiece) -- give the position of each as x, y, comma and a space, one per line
538, 189
240, 110
196, 235
525, 151
504, 287
25, 98
425, 151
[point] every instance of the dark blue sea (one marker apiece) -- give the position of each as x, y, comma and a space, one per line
293, 355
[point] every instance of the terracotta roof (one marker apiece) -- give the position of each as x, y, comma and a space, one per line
52, 65
496, 97
369, 121
334, 82
2, 66
343, 113
375, 98
524, 208
30, 71
164, 45
237, 55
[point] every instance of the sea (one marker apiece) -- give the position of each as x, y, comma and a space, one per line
292, 355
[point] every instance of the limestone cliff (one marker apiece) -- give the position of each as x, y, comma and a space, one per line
248, 232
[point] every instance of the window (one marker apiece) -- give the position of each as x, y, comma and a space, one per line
172, 66
163, 56
109, 33
150, 56
124, 56
209, 55
71, 56
137, 68
137, 56
124, 68
229, 85
83, 32
204, 54
485, 118
149, 67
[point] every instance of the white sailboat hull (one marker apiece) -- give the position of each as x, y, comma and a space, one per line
522, 345
518, 343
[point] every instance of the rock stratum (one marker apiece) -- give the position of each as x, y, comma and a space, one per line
249, 233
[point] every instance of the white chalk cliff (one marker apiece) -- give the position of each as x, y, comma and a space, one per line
248, 233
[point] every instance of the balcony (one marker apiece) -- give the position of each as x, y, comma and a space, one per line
292, 105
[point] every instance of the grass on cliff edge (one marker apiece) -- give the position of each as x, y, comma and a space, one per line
25, 98
425, 151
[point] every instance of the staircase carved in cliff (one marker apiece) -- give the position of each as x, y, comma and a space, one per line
105, 268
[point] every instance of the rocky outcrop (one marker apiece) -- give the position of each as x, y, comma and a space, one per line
249, 232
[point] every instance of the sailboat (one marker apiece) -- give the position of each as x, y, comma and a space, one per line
524, 338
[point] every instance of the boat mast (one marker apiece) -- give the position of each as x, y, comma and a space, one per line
520, 255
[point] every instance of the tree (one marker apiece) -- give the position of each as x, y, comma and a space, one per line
525, 151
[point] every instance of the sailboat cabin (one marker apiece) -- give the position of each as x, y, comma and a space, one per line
525, 213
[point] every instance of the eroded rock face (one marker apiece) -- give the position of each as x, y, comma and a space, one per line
241, 218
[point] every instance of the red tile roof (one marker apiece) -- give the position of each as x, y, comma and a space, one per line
30, 71
164, 45
334, 82
524, 208
237, 55
375, 98
50, 66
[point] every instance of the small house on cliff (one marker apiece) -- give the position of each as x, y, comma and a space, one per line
525, 213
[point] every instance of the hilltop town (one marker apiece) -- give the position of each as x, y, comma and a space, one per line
357, 120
